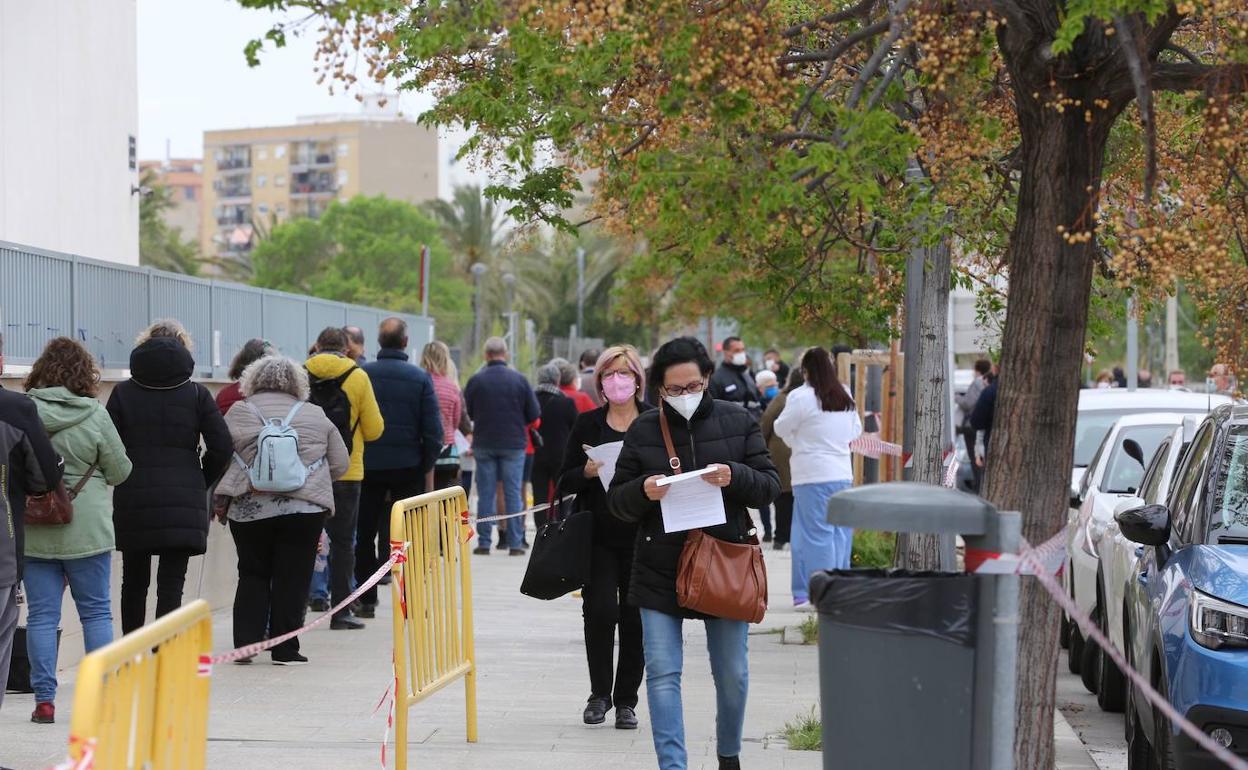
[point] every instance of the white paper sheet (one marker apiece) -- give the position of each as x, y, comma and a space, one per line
461, 442
691, 502
606, 456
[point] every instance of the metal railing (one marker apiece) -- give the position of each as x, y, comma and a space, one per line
142, 701
46, 294
432, 607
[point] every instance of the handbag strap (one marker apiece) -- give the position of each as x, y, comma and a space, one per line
82, 482
672, 458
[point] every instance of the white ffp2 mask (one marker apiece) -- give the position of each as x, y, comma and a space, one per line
738, 359
685, 405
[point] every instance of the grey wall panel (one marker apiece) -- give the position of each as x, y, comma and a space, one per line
189, 301
322, 314
236, 317
112, 309
34, 306
286, 324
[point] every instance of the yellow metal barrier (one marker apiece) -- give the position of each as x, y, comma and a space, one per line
433, 643
140, 702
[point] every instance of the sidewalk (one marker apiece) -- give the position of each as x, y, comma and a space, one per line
532, 685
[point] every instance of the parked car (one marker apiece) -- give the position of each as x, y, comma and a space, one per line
1098, 411
1119, 557
1186, 622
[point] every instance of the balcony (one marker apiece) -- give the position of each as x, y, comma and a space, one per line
234, 164
311, 155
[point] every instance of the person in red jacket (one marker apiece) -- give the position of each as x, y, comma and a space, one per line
251, 351
568, 376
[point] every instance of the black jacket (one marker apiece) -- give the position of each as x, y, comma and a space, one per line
501, 406
985, 407
734, 383
558, 416
591, 429
28, 465
413, 437
721, 433
161, 415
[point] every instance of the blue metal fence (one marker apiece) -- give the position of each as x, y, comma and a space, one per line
46, 294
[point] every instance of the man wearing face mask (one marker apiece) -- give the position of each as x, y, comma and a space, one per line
732, 380
773, 363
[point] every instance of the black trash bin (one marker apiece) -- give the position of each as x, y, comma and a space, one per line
896, 668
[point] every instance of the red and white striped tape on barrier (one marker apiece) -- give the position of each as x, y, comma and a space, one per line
1045, 562
84, 762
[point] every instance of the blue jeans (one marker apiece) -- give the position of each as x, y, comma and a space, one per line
45, 583
816, 544
493, 465
664, 648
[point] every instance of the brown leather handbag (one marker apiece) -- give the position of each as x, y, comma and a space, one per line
717, 577
55, 508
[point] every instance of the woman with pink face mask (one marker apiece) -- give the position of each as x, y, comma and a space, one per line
618, 377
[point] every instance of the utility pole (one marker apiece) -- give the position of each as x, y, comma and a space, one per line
509, 283
1172, 336
1133, 347
580, 294
424, 281
478, 273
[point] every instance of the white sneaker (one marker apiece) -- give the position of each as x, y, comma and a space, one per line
804, 607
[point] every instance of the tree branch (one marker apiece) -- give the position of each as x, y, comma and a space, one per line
861, 10
1184, 52
1186, 76
1138, 67
836, 51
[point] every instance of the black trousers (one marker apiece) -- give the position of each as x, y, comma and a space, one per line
341, 530
136, 577
784, 517
382, 489
605, 607
275, 561
544, 479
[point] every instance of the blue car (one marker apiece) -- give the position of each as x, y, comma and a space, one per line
1186, 607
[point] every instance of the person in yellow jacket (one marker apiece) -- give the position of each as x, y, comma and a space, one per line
333, 376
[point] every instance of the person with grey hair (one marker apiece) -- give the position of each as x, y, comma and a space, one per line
161, 510
502, 407
558, 415
355, 344
569, 383
274, 533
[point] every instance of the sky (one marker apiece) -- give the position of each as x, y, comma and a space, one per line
193, 78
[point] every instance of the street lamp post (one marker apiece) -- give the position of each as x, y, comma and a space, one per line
478, 274
580, 294
509, 282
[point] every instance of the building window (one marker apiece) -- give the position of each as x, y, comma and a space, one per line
263, 208
280, 210
188, 193
342, 150
260, 180
279, 151
262, 152
342, 177
279, 180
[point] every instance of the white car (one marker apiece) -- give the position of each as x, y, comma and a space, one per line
1099, 410
1118, 565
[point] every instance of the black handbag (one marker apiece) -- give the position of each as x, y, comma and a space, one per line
560, 558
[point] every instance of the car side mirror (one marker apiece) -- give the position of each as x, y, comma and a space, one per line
1134, 451
1146, 525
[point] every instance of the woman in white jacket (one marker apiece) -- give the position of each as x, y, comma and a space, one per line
817, 423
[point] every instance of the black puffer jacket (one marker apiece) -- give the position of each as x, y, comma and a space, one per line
161, 415
591, 429
722, 433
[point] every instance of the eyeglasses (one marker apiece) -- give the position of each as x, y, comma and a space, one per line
617, 373
681, 390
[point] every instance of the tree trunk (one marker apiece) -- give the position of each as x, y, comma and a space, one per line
1032, 441
927, 397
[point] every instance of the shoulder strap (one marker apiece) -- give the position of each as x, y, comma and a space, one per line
82, 482
672, 458
342, 378
256, 411
291, 414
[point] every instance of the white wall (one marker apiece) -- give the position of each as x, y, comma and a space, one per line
68, 105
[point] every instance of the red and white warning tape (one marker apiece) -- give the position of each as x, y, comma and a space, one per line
84, 762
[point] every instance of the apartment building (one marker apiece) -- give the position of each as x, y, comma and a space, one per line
184, 178
256, 177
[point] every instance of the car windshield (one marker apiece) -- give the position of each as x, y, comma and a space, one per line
1091, 428
1123, 472
1230, 517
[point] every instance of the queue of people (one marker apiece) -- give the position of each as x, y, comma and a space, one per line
303, 460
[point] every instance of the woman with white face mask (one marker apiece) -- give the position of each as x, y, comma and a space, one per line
705, 433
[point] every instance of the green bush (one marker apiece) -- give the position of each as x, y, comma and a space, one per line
809, 629
873, 549
805, 733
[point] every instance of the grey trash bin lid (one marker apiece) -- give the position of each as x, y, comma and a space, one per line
908, 506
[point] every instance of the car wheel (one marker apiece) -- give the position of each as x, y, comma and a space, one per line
1163, 742
1074, 653
1139, 752
1111, 691
1090, 660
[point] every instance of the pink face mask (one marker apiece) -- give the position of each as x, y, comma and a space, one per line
619, 387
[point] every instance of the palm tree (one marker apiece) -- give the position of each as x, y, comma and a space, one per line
473, 227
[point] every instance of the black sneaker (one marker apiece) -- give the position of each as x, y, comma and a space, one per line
481, 551
517, 552
625, 718
596, 711
245, 661
290, 659
365, 611
345, 624
767, 537
501, 546
729, 763
319, 605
